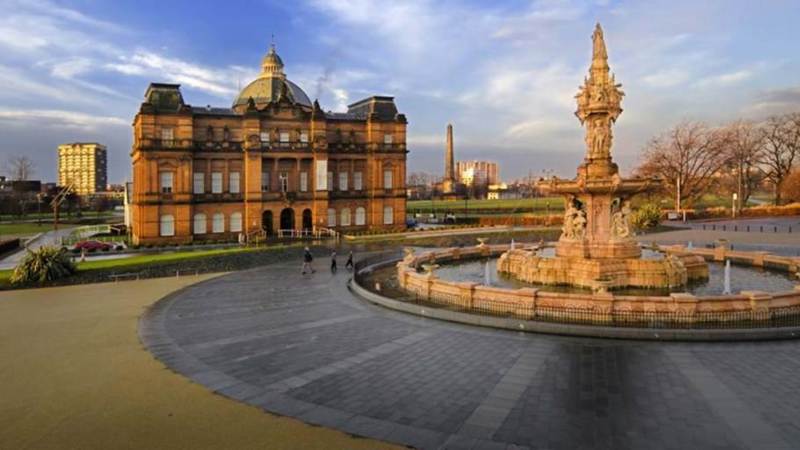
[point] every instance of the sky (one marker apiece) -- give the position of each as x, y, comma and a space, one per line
504, 73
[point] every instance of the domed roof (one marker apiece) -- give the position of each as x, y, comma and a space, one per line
271, 84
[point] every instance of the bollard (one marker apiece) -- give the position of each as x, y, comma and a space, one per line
776, 229
748, 228
704, 226
761, 228
713, 228
724, 227
736, 228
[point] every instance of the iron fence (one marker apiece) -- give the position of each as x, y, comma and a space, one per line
745, 319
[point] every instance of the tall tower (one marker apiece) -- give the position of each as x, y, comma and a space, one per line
449, 181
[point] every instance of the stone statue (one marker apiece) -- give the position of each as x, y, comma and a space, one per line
574, 220
600, 137
620, 218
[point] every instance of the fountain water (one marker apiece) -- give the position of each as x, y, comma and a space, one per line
726, 284
487, 276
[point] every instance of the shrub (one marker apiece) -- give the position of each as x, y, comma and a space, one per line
646, 217
43, 265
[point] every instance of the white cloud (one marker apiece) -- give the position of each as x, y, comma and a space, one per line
726, 79
59, 119
667, 78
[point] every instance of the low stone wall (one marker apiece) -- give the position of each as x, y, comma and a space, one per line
533, 304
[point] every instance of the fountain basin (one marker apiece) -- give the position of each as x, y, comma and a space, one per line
531, 266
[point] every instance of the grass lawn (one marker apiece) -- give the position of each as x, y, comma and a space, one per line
23, 229
556, 203
154, 260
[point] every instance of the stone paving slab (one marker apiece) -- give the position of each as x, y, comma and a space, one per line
305, 347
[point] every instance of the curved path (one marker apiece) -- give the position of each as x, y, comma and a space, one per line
305, 347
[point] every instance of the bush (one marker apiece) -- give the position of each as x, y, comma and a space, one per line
646, 217
43, 265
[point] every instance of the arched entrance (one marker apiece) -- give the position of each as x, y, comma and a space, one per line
308, 223
287, 219
266, 222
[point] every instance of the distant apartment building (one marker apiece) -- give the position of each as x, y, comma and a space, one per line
477, 173
84, 165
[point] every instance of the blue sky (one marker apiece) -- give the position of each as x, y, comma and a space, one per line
504, 73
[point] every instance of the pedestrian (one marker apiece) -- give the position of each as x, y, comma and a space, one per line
307, 258
333, 261
349, 264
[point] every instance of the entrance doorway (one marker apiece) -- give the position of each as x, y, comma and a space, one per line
266, 223
308, 224
287, 219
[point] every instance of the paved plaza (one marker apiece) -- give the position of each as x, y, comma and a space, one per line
305, 347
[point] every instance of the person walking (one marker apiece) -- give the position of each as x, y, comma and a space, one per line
307, 258
333, 261
349, 264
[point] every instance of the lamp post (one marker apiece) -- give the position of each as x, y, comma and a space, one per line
733, 205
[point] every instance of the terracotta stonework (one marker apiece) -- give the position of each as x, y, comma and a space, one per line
273, 161
596, 248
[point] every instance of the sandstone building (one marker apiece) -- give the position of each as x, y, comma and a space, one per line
272, 161
84, 165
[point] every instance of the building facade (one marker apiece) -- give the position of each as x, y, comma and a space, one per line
84, 164
477, 173
273, 161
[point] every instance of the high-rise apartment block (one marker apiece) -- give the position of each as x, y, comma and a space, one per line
84, 165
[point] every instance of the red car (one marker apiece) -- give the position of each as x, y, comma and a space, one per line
91, 246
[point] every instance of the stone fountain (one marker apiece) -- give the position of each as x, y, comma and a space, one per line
596, 248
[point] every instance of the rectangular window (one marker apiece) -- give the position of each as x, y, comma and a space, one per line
233, 182
342, 181
166, 225
322, 170
388, 138
330, 181
167, 137
216, 182
283, 179
284, 135
236, 222
388, 215
264, 137
357, 181
303, 181
218, 223
200, 223
304, 137
265, 181
199, 183
387, 178
166, 182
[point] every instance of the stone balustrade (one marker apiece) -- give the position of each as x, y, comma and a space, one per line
532, 303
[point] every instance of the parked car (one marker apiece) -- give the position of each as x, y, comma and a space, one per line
91, 246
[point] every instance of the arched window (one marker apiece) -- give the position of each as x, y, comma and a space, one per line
331, 217
236, 222
200, 223
361, 216
388, 215
167, 225
218, 223
345, 220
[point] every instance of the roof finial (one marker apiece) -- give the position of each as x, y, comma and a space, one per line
272, 43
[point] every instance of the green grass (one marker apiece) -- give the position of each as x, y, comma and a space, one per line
23, 229
180, 255
155, 259
556, 203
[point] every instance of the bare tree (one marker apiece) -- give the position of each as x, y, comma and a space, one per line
781, 149
744, 153
20, 168
686, 158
